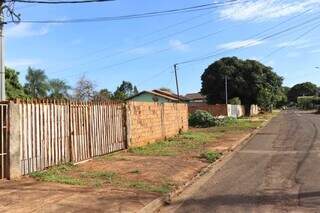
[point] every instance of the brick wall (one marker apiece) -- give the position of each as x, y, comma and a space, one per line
149, 122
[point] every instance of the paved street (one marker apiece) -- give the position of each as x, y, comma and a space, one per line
278, 170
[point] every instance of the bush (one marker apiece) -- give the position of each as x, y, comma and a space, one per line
235, 101
201, 118
308, 102
211, 156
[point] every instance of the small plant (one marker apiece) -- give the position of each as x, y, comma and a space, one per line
211, 156
201, 118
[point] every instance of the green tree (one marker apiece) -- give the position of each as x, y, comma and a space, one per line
59, 89
165, 89
84, 90
303, 89
103, 95
37, 85
13, 87
250, 80
124, 91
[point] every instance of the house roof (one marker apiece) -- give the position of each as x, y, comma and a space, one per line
154, 93
170, 94
195, 96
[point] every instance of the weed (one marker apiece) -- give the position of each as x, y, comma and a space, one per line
58, 174
100, 175
211, 156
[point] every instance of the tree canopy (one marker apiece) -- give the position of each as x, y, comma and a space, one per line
303, 89
84, 90
37, 85
250, 80
125, 90
13, 87
58, 89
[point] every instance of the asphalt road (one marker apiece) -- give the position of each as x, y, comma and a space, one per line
278, 170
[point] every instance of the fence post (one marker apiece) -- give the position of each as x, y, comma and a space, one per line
14, 140
128, 124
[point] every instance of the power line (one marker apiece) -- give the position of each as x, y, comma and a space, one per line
187, 42
137, 16
57, 2
313, 28
216, 53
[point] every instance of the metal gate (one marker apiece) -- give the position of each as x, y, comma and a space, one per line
4, 141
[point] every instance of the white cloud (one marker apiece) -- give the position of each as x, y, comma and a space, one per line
266, 9
178, 45
315, 51
26, 30
22, 62
299, 44
240, 44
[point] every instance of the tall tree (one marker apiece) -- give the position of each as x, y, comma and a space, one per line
103, 95
125, 90
303, 89
37, 85
13, 87
251, 81
84, 90
59, 89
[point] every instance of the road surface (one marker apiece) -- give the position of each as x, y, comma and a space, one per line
278, 170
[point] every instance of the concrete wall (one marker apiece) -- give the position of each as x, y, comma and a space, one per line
236, 110
254, 110
149, 122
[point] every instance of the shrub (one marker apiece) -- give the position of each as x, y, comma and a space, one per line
201, 118
211, 156
235, 101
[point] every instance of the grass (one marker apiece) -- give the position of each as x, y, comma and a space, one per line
211, 156
149, 187
58, 174
195, 139
192, 141
183, 143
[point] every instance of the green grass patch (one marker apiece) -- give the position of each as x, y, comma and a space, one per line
185, 142
211, 156
58, 174
149, 187
106, 176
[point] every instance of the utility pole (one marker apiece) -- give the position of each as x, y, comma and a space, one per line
175, 66
2, 68
226, 88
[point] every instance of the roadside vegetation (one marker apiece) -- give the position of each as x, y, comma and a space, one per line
156, 167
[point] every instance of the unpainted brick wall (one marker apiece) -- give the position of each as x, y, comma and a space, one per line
149, 122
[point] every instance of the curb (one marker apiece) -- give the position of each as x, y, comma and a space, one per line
156, 204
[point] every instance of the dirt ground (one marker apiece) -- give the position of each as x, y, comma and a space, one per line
139, 180
28, 195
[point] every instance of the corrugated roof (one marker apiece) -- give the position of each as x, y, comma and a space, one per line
195, 96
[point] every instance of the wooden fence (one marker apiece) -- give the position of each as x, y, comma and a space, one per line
54, 132
4, 145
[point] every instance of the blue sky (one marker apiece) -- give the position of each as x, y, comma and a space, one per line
107, 52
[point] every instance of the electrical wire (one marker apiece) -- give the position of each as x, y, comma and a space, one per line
137, 16
57, 2
216, 53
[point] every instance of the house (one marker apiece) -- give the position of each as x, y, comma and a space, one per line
196, 98
158, 96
